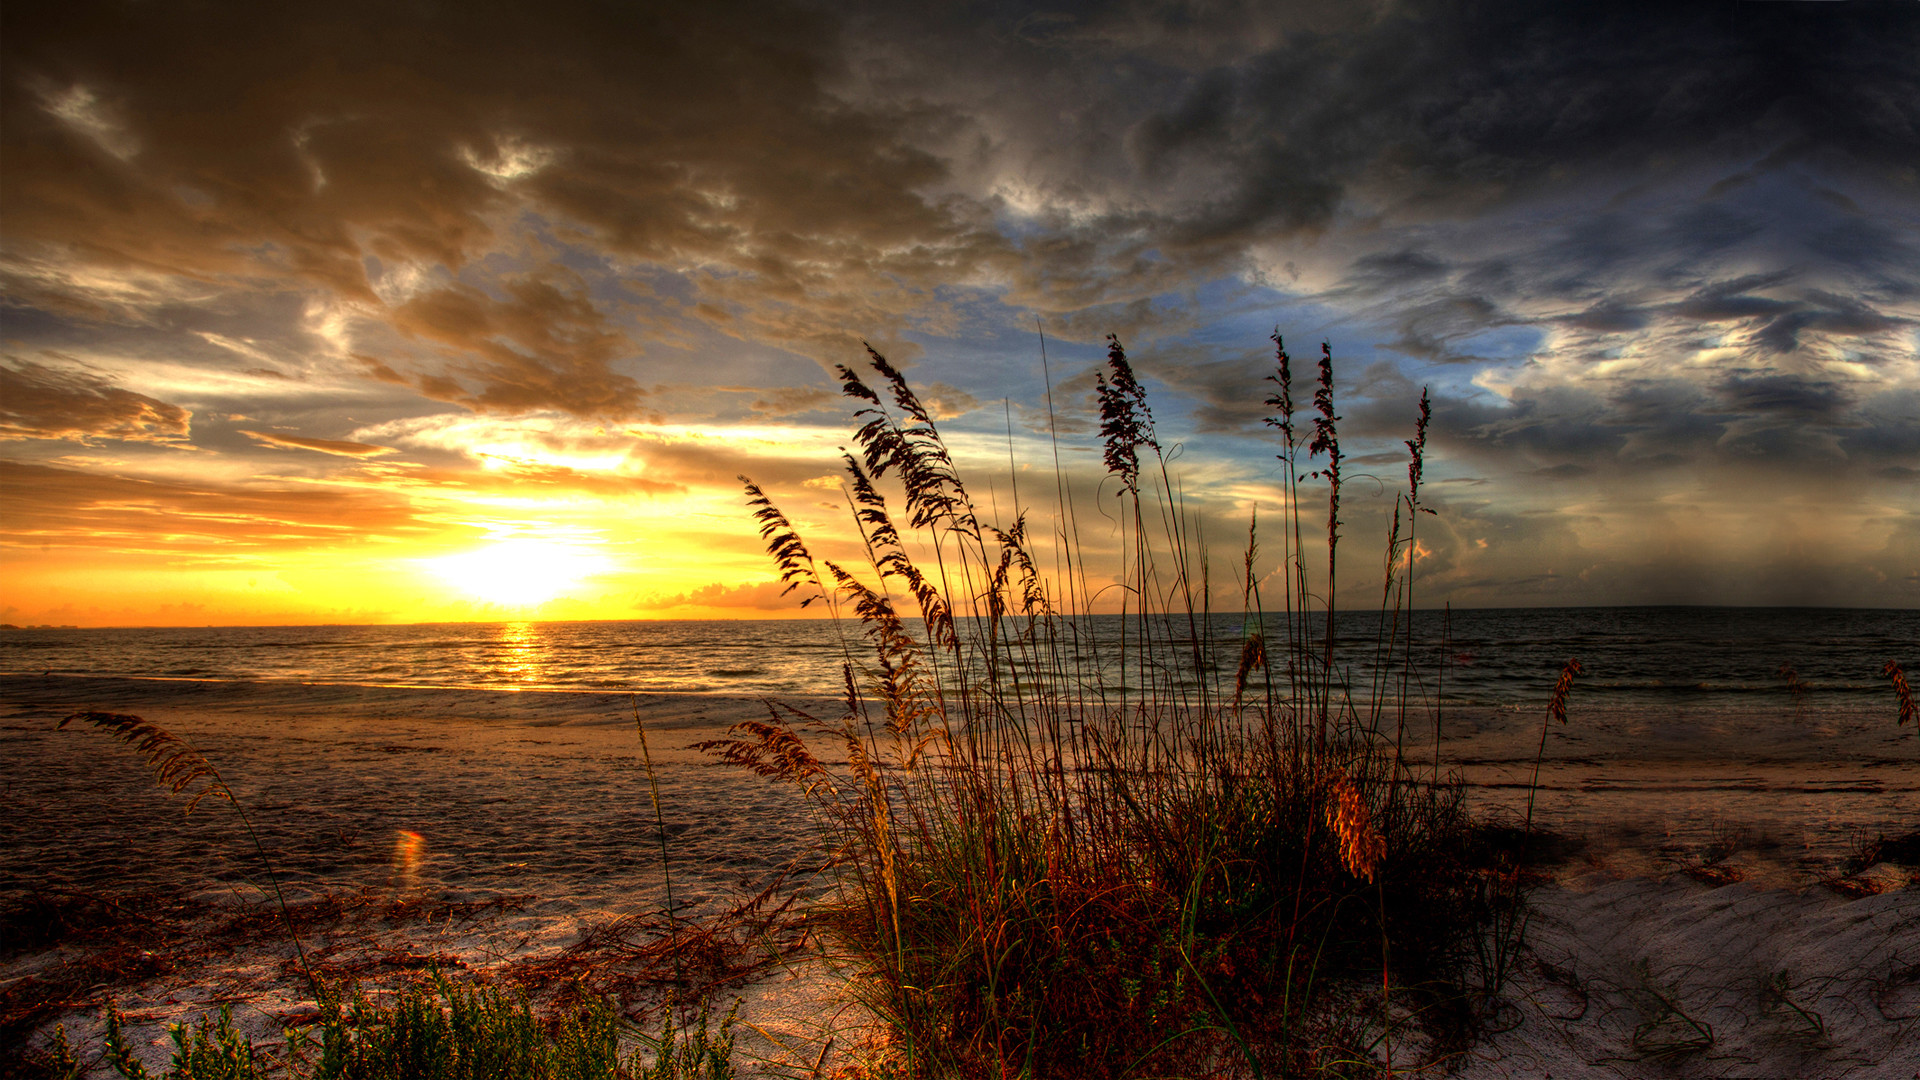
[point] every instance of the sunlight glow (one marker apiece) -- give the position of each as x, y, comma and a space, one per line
519, 573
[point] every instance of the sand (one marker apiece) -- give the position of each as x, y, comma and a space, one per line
1699, 933
1651, 977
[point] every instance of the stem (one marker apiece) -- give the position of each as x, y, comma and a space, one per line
279, 897
660, 824
1533, 785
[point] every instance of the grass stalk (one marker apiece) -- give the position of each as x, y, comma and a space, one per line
1056, 826
660, 827
1556, 710
183, 770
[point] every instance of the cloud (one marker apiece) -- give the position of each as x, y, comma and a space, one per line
806, 177
295, 144
88, 509
41, 402
947, 402
756, 596
526, 476
789, 400
324, 446
543, 346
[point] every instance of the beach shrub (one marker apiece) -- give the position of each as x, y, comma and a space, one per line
1079, 846
431, 1031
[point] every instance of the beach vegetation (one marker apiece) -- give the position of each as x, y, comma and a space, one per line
184, 770
1078, 831
1896, 677
432, 1030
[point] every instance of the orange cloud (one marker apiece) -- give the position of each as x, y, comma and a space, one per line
758, 595
40, 402
324, 446
70, 508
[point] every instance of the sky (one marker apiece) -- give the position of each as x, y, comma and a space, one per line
432, 311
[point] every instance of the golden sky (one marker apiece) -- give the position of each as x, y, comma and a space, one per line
376, 313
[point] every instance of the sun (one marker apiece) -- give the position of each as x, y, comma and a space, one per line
519, 573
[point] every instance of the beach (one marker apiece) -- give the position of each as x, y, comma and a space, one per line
492, 832
457, 830
1097, 541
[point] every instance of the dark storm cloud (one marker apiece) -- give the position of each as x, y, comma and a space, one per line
1734, 300
1555, 424
1445, 103
1392, 271
1453, 100
225, 143
1782, 396
42, 402
542, 346
1888, 430
818, 173
1608, 318
1229, 392
1846, 318
1658, 183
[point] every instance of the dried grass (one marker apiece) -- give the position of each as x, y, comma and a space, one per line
1053, 832
1896, 677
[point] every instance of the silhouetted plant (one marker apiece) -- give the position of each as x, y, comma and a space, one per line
181, 769
1896, 677
1048, 841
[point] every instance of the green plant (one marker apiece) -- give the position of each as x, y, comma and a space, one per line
213, 1050
54, 1061
1058, 829
438, 1031
698, 1052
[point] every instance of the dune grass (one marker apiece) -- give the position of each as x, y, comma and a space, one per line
1896, 677
1088, 846
433, 1030
184, 770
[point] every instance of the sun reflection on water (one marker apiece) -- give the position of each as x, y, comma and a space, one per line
409, 852
518, 658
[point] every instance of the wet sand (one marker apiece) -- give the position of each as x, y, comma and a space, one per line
483, 829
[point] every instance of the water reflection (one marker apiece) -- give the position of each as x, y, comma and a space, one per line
409, 851
518, 655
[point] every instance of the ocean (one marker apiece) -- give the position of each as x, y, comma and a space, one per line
1646, 656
